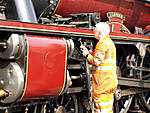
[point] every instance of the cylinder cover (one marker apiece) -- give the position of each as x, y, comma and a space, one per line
11, 81
14, 47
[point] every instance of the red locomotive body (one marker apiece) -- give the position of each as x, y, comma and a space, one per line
137, 12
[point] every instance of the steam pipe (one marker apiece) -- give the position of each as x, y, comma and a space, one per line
25, 11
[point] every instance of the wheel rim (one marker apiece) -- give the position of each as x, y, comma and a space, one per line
145, 101
67, 104
123, 105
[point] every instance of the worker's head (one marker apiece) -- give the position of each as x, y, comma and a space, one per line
101, 30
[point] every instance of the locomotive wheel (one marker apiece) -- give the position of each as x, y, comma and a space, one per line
67, 104
123, 105
39, 108
145, 101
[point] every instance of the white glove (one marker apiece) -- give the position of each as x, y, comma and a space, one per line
84, 50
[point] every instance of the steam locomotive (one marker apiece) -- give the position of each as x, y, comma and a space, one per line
42, 69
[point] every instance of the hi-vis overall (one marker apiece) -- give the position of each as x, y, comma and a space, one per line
104, 78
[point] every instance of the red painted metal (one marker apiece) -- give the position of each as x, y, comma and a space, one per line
46, 66
48, 29
146, 29
137, 12
29, 27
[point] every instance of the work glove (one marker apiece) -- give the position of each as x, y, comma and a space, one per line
84, 50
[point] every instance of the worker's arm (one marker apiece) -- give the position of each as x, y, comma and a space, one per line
98, 55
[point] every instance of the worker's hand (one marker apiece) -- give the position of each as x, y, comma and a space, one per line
84, 50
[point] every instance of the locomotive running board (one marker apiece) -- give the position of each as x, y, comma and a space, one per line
22, 27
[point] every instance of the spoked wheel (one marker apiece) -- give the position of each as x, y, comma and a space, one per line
123, 105
66, 104
145, 101
39, 108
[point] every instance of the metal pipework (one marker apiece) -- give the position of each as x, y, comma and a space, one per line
68, 82
70, 47
25, 11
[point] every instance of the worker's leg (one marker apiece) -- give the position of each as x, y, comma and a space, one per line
106, 104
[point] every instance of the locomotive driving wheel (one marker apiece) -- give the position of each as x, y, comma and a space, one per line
67, 103
122, 103
144, 99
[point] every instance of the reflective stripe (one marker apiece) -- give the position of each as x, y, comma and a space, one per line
104, 67
104, 103
109, 61
104, 107
107, 110
97, 61
101, 56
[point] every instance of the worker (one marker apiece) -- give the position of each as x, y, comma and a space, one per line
103, 60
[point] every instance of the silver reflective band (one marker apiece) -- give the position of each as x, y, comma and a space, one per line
97, 61
109, 61
99, 55
106, 110
104, 68
104, 103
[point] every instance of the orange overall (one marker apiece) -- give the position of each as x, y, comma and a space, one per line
104, 79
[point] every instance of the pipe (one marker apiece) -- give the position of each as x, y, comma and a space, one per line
75, 77
25, 11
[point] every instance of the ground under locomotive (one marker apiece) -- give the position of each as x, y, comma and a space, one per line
42, 70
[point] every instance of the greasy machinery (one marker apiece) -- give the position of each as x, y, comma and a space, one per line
41, 66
